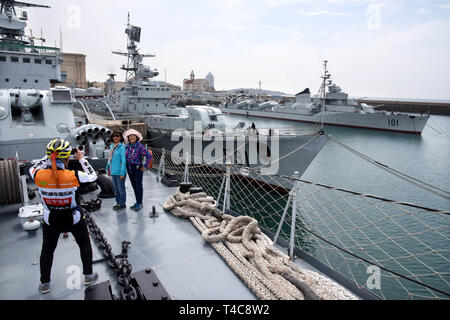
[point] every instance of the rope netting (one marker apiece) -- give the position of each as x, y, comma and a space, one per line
395, 250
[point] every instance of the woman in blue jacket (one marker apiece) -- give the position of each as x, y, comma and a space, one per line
117, 168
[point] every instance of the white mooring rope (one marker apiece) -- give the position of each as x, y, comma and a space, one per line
268, 272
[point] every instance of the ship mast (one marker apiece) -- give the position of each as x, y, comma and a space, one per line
134, 58
323, 90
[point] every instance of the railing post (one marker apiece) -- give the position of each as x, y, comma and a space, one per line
226, 196
220, 191
161, 166
294, 215
288, 202
275, 239
229, 186
186, 168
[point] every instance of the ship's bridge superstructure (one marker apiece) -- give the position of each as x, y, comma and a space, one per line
27, 66
23, 64
145, 97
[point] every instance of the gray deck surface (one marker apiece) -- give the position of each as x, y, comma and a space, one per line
187, 266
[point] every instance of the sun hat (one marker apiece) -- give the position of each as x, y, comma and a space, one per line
130, 132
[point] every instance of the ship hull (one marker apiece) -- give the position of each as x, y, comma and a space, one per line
295, 153
378, 121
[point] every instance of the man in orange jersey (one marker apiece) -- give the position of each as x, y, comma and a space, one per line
57, 188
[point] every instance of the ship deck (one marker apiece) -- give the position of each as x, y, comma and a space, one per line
186, 265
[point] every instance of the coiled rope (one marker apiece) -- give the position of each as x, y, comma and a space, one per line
267, 272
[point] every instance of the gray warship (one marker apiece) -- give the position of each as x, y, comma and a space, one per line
32, 113
200, 129
331, 106
169, 258
33, 108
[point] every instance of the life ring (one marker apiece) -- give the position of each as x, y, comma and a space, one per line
31, 225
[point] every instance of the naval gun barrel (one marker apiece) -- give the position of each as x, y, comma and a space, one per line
15, 104
38, 102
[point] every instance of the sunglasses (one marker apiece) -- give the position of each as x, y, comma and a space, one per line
116, 136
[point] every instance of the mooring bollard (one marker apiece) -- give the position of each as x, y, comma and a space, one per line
153, 213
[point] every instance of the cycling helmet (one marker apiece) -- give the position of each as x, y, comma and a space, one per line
62, 148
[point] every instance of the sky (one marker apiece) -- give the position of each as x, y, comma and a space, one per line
385, 48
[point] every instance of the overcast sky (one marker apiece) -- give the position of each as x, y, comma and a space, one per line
385, 48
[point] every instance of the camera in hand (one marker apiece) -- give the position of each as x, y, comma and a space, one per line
74, 150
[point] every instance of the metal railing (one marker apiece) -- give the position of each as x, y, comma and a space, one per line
18, 47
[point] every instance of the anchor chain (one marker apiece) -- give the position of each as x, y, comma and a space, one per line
121, 266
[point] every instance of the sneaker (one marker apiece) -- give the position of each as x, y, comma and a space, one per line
138, 207
133, 207
118, 207
44, 288
90, 278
